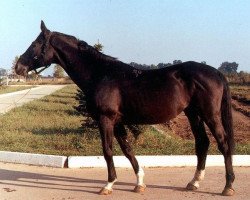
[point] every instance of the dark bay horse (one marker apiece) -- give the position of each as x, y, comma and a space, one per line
118, 94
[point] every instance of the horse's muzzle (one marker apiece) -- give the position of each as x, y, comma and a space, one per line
21, 69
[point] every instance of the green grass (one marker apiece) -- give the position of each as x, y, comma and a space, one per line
52, 126
8, 89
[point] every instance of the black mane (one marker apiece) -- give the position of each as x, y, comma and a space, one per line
85, 48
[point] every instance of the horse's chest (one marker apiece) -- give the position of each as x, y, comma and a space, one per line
107, 100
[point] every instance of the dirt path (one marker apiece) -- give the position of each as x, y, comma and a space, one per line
43, 183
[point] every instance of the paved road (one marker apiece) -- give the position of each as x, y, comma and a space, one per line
43, 183
14, 99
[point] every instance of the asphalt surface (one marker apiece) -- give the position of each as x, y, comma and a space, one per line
43, 183
15, 99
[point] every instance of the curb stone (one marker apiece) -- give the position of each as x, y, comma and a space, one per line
120, 161
33, 159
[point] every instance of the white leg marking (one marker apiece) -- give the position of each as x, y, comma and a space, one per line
140, 176
110, 185
198, 176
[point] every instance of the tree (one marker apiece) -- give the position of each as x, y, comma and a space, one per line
58, 71
244, 77
162, 65
203, 62
228, 68
152, 66
139, 66
175, 62
98, 46
3, 72
13, 72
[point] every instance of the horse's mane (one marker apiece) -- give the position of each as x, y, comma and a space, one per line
65, 35
85, 48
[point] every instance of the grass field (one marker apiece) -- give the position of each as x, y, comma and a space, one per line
52, 126
8, 89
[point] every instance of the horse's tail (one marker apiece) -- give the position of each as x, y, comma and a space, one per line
226, 115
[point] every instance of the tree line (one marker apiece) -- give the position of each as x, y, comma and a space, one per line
229, 69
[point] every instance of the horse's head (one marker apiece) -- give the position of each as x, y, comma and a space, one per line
40, 53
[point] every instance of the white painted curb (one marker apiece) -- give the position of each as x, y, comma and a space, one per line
33, 159
155, 161
120, 161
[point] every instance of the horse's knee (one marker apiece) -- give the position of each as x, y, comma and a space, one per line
107, 153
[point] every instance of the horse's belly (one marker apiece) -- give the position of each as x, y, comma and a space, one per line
151, 105
150, 114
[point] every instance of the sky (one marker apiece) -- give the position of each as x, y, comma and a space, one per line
142, 31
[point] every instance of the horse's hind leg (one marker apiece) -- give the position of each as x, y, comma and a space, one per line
201, 147
216, 127
121, 136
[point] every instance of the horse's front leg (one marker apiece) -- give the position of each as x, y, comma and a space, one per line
121, 136
106, 127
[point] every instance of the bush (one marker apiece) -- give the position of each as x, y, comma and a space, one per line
241, 78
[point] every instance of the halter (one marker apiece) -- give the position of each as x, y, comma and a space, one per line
41, 70
43, 53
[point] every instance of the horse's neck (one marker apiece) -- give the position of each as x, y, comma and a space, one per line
80, 76
67, 56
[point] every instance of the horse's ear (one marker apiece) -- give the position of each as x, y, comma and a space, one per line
43, 27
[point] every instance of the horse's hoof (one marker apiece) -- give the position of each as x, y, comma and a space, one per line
105, 191
190, 186
228, 192
139, 188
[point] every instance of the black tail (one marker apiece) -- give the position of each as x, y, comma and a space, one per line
226, 115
